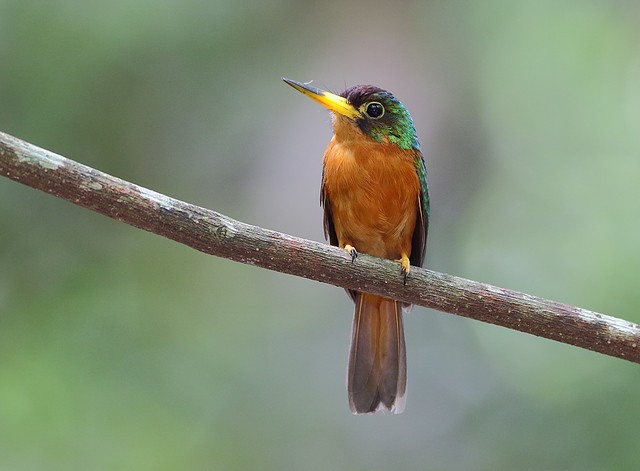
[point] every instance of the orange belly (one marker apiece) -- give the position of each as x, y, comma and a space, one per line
374, 193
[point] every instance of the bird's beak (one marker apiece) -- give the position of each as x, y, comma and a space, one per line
335, 103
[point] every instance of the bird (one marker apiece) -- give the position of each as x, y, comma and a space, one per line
375, 200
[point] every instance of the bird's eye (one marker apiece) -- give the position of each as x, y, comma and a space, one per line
374, 109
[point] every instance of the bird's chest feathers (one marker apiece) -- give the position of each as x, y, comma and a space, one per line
373, 190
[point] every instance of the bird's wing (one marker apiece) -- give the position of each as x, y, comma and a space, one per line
329, 228
419, 240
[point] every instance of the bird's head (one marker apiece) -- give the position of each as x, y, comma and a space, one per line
370, 110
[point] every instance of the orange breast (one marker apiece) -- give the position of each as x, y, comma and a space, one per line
373, 190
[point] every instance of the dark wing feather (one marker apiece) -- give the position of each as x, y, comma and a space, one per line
329, 228
419, 240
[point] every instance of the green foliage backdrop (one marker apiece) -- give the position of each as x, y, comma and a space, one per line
122, 350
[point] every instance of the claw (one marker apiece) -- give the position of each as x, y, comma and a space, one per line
406, 267
351, 251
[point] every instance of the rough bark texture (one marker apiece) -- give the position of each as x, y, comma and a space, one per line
213, 233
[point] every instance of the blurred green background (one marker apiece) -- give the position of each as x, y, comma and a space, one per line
123, 350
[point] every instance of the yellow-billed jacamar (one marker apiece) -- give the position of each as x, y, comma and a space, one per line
375, 199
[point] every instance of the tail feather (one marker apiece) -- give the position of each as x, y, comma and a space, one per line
377, 375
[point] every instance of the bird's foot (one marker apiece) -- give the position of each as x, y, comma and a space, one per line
406, 267
351, 251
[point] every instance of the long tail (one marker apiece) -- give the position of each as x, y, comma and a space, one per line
377, 376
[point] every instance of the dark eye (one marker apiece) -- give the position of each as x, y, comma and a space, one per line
374, 109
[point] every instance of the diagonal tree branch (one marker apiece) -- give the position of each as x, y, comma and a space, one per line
213, 233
